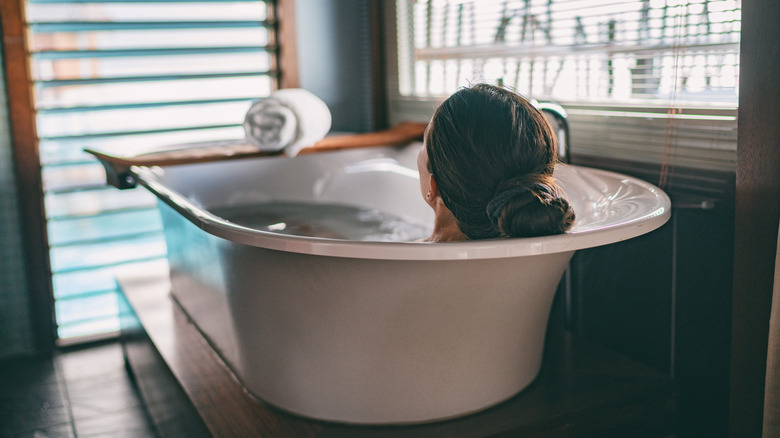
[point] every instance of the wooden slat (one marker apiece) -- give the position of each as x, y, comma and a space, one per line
704, 144
27, 164
288, 44
647, 138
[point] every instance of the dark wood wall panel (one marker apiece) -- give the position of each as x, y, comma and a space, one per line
757, 211
703, 279
623, 295
665, 299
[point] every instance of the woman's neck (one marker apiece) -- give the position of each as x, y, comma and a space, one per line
445, 226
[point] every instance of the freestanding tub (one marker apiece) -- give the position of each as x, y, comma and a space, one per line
374, 332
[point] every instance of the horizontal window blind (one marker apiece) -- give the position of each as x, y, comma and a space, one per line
637, 69
130, 75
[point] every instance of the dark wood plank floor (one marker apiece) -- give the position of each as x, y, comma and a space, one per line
84, 392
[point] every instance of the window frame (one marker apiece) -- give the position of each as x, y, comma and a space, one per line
24, 135
714, 174
26, 152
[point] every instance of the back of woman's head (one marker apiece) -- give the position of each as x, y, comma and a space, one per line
492, 155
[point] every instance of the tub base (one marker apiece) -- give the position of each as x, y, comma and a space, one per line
582, 389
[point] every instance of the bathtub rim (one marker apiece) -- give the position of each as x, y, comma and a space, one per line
475, 249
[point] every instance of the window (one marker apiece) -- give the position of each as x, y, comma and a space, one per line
130, 74
646, 80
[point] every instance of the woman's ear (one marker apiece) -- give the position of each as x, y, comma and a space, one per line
433, 188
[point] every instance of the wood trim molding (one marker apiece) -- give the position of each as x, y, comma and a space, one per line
757, 212
287, 43
28, 171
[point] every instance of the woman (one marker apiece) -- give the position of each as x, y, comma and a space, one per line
486, 168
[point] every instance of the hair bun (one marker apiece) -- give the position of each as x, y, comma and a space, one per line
528, 206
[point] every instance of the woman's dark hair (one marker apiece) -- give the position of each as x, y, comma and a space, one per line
492, 155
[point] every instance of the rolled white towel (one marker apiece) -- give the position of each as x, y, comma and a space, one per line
289, 119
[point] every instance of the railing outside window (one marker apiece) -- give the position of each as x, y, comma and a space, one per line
630, 72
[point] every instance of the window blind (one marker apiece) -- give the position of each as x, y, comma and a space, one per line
130, 75
629, 72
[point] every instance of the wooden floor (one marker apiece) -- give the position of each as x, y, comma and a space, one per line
76, 392
582, 390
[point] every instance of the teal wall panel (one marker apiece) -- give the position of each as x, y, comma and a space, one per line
334, 59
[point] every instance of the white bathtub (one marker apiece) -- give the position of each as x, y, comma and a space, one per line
373, 332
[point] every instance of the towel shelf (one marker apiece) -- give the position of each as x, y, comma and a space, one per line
118, 166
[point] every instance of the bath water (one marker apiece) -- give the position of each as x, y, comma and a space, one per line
332, 221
